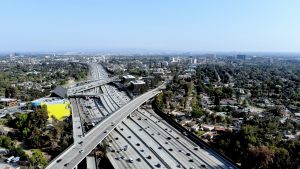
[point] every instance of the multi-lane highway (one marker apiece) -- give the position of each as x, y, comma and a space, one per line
142, 140
165, 146
81, 113
77, 127
98, 77
78, 151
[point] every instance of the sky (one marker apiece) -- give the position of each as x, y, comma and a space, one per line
179, 25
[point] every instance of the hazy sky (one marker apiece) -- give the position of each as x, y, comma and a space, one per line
187, 25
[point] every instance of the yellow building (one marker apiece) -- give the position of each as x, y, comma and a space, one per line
57, 107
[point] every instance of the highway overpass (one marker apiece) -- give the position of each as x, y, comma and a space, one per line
74, 154
85, 95
90, 85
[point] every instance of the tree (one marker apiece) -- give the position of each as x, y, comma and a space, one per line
227, 92
18, 151
197, 112
258, 157
21, 120
249, 134
34, 139
217, 99
7, 142
41, 117
10, 92
281, 158
25, 132
37, 158
159, 101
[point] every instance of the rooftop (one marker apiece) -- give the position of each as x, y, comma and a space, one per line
50, 100
60, 91
128, 77
135, 82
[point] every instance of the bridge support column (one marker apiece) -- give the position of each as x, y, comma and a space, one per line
91, 162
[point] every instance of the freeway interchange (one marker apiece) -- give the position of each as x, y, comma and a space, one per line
77, 152
136, 136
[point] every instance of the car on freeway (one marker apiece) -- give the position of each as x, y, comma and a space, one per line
130, 160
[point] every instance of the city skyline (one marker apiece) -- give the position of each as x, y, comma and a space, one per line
248, 26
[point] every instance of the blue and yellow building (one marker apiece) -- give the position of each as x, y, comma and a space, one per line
56, 106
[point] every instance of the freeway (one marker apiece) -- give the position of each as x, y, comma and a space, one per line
201, 155
78, 151
167, 147
97, 71
98, 77
77, 128
131, 151
90, 85
127, 148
